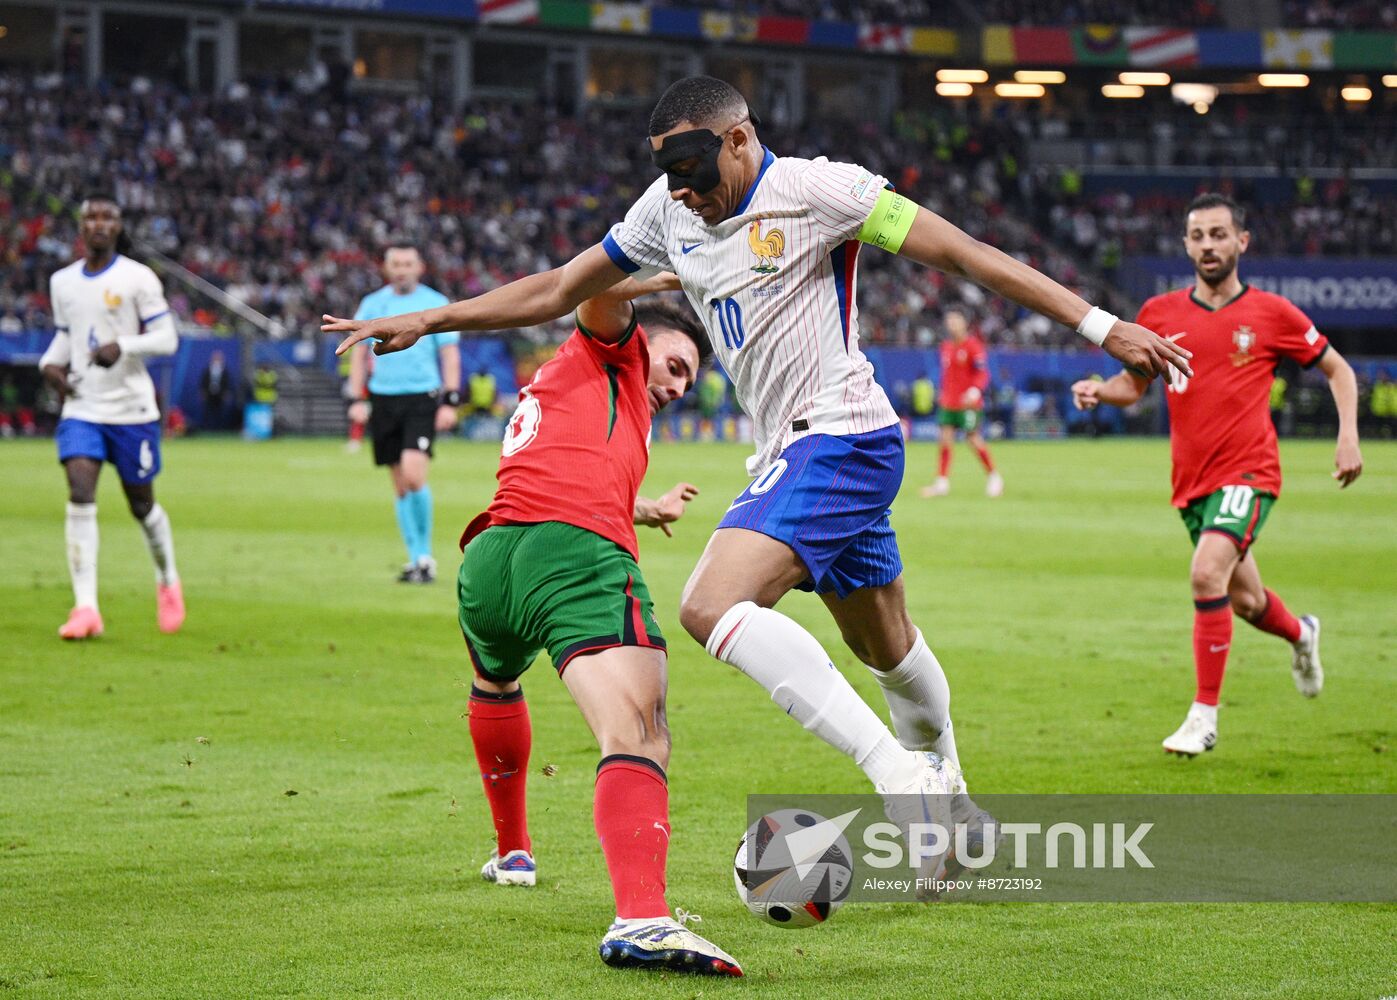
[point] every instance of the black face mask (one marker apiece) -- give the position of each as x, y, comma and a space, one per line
700, 145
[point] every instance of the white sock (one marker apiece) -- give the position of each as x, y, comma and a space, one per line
919, 699
80, 531
795, 670
1208, 712
161, 543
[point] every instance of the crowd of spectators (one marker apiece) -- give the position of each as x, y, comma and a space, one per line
1364, 15
1335, 218
284, 199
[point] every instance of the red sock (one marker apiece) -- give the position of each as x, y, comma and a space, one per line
945, 460
984, 452
1278, 620
631, 811
1212, 637
502, 735
356, 431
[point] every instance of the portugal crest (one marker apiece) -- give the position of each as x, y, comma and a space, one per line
1244, 339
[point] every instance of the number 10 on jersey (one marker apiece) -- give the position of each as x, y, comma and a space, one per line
730, 321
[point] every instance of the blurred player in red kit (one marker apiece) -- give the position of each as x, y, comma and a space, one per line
965, 376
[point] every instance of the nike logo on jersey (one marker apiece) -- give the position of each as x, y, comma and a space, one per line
742, 503
1176, 336
686, 247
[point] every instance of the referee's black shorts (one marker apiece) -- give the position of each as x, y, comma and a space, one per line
400, 423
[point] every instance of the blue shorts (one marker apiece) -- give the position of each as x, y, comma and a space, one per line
133, 448
828, 498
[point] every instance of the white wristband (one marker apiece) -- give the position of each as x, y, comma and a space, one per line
1096, 324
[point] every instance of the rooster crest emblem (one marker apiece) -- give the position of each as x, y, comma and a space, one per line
112, 300
767, 248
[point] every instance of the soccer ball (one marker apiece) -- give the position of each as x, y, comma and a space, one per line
793, 892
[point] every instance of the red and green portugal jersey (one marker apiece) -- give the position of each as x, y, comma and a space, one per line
1220, 429
578, 444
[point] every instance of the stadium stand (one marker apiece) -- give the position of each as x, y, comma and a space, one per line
284, 200
1359, 14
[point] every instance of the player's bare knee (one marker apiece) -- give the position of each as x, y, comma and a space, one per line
141, 506
699, 614
639, 732
1207, 580
1246, 605
858, 645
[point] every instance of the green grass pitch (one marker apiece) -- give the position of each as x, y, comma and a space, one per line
281, 801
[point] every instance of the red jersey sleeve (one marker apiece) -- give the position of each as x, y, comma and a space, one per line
1296, 336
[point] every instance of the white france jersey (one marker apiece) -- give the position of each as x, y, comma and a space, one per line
775, 287
123, 303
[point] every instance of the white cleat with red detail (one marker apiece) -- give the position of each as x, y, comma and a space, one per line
515, 868
664, 944
1304, 663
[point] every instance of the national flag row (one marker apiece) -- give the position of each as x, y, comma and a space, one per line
1088, 45
1104, 45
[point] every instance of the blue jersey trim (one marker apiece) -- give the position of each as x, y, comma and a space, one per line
767, 161
110, 264
152, 319
618, 256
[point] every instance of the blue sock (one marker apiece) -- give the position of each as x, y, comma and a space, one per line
407, 524
422, 518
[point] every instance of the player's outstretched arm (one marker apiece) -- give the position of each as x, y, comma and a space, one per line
1348, 460
528, 301
933, 241
666, 510
607, 316
1118, 390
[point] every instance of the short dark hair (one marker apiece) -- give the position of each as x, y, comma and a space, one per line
660, 316
1211, 199
702, 101
401, 245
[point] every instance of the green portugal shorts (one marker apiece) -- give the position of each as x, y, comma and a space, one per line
961, 420
524, 588
1235, 511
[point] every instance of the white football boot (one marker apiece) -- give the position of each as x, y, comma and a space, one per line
926, 798
515, 868
664, 943
1304, 662
940, 488
994, 485
979, 827
1196, 735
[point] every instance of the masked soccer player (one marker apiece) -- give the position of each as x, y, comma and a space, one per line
766, 248
552, 565
965, 375
1227, 471
412, 396
109, 314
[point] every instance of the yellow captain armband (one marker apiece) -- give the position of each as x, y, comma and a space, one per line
890, 221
